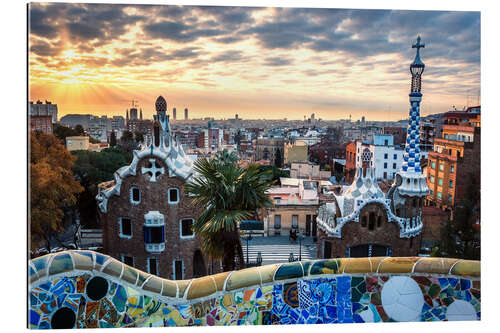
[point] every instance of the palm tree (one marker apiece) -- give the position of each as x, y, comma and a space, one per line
229, 194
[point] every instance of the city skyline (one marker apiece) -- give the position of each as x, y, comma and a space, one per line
256, 62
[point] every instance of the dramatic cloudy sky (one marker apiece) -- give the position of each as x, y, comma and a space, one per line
257, 62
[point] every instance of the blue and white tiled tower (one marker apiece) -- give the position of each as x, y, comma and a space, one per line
410, 180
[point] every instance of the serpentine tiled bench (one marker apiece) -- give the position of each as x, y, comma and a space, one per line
88, 289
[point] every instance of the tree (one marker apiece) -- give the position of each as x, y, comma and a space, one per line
139, 136
127, 141
92, 168
52, 186
79, 130
229, 194
278, 161
112, 139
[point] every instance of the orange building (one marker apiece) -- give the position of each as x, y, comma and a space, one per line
456, 158
350, 160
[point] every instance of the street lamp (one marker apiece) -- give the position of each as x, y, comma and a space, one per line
248, 238
300, 245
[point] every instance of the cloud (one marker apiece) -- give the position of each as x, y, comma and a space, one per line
277, 61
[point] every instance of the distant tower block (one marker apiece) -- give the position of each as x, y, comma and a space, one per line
140, 117
186, 117
312, 116
174, 113
236, 116
127, 116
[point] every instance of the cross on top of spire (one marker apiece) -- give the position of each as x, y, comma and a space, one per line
418, 45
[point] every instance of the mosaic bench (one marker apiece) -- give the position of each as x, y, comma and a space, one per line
85, 289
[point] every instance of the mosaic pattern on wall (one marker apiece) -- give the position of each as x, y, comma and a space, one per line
64, 294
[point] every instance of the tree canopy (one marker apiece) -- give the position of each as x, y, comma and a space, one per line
229, 194
52, 185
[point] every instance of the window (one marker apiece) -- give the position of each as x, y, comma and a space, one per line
441, 167
187, 228
152, 266
451, 183
178, 269
450, 198
173, 195
431, 179
277, 221
440, 181
125, 227
452, 168
385, 165
295, 221
371, 221
385, 175
135, 195
386, 142
395, 156
386, 156
439, 195
128, 260
431, 192
446, 136
433, 165
277, 200
394, 165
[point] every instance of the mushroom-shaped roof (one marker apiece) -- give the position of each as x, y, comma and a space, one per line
161, 104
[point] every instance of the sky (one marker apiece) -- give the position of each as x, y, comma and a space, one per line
259, 63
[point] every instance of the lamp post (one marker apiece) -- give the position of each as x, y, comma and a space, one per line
300, 245
248, 238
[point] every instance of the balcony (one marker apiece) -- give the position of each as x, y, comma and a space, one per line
155, 248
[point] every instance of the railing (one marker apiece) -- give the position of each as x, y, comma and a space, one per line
85, 289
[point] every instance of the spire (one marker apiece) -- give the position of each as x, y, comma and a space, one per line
417, 46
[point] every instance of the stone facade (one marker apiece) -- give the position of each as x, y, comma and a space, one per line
373, 228
154, 197
147, 216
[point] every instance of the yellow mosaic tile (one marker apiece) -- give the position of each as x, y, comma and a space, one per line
397, 265
82, 262
434, 265
376, 262
220, 279
129, 274
169, 288
243, 278
467, 268
201, 287
267, 272
113, 268
153, 284
358, 265
182, 284
342, 263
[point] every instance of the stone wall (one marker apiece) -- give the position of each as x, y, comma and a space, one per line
84, 289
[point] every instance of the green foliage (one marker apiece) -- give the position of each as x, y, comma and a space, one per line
139, 136
112, 139
459, 238
61, 132
276, 173
229, 194
278, 160
92, 168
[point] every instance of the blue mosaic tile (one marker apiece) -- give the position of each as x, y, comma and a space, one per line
464, 284
34, 318
61, 263
99, 258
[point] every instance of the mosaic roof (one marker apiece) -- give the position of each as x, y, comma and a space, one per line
169, 150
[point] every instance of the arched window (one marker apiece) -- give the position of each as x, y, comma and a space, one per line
379, 221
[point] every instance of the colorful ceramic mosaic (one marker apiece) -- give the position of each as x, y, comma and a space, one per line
82, 289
